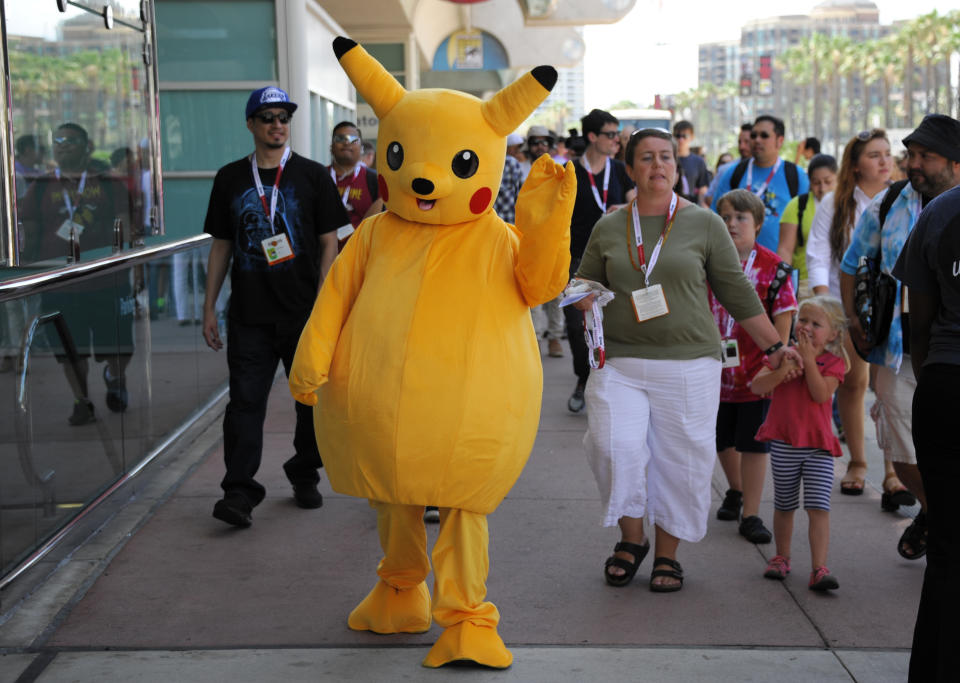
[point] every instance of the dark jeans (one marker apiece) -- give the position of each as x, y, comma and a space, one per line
937, 441
252, 355
575, 331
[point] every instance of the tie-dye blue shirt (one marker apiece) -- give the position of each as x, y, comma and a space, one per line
866, 239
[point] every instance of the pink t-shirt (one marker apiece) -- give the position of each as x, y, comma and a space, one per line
794, 418
735, 382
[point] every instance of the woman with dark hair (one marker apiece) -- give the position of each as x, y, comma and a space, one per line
864, 172
652, 404
797, 218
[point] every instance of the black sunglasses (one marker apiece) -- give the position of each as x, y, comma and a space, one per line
611, 134
282, 119
762, 134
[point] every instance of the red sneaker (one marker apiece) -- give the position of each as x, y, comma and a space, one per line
777, 568
822, 580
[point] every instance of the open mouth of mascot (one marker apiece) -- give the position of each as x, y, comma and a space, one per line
426, 204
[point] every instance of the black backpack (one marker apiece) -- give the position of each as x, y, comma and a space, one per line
789, 170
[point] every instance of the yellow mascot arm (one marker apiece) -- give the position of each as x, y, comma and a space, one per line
543, 213
311, 362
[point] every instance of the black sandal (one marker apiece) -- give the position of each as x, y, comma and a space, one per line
676, 572
913, 542
630, 568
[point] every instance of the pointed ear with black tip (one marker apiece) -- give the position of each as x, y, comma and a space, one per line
511, 106
374, 83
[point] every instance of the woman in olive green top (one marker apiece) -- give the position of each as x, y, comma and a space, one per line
652, 408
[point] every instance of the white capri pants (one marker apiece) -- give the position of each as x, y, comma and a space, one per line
651, 440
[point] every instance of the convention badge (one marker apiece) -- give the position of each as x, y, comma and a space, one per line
277, 249
344, 231
731, 353
649, 302
66, 227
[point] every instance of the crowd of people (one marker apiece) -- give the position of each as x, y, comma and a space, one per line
737, 332
760, 331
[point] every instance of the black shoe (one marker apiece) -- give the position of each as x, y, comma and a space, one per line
82, 413
307, 496
431, 514
233, 510
575, 404
729, 510
117, 397
752, 529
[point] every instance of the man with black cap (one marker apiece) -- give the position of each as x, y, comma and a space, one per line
275, 214
929, 265
933, 168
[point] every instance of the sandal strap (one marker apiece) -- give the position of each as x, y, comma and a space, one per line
635, 549
669, 562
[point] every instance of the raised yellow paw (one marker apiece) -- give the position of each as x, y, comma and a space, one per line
388, 610
468, 642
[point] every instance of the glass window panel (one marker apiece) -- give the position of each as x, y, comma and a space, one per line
203, 130
185, 206
216, 41
388, 54
81, 124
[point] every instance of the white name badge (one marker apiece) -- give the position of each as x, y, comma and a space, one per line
277, 249
344, 231
731, 353
64, 231
649, 302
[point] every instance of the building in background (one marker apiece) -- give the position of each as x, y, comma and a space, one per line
147, 80
815, 71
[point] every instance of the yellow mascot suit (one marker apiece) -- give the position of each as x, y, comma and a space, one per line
420, 355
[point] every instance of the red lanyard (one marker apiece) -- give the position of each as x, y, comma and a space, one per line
593, 183
641, 255
269, 209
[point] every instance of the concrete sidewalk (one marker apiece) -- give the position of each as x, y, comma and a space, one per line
163, 592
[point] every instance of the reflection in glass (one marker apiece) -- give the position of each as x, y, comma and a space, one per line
108, 378
79, 96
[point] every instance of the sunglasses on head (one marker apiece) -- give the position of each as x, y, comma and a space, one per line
762, 134
865, 135
268, 119
346, 139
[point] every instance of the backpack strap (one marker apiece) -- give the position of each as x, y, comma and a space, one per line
792, 177
801, 207
738, 173
888, 199
784, 271
372, 185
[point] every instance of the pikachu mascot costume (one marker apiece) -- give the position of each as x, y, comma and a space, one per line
421, 350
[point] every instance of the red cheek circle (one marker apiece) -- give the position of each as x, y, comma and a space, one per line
384, 192
480, 200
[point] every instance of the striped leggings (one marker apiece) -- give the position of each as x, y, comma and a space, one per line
813, 465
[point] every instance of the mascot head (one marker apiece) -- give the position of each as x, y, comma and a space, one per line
440, 152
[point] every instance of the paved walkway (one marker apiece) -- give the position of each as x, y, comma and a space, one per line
161, 591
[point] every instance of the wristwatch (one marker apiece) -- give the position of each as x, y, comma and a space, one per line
773, 349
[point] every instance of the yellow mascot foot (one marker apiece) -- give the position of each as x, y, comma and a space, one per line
468, 642
388, 610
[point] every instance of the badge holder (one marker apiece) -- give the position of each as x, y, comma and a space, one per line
277, 249
731, 353
649, 302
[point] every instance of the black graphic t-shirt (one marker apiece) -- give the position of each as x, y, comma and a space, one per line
308, 206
